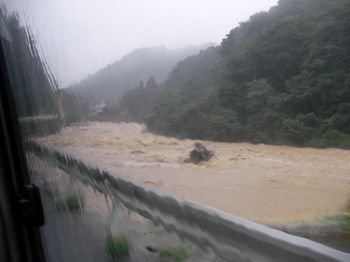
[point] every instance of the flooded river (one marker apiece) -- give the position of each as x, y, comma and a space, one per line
264, 183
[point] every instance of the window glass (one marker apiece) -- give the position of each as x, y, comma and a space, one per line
185, 130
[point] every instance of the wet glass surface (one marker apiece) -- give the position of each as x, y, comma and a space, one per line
113, 188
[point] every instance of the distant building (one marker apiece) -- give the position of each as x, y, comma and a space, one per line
98, 108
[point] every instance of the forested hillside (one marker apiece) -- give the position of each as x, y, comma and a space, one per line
281, 77
109, 83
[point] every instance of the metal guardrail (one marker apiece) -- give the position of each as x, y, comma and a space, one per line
231, 237
40, 125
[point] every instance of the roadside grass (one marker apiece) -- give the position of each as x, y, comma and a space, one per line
343, 220
176, 255
341, 237
117, 247
72, 202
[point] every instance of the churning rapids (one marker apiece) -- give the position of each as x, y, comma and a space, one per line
264, 183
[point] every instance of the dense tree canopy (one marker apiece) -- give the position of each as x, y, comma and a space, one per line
281, 77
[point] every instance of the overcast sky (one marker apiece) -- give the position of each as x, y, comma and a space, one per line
77, 37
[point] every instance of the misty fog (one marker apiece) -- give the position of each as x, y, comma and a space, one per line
80, 36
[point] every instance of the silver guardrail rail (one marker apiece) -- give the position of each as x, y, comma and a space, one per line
231, 237
40, 125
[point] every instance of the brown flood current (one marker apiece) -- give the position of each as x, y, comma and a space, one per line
264, 183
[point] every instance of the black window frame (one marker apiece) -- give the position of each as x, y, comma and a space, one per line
19, 240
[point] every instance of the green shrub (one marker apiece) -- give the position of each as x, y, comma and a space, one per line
345, 223
71, 202
343, 220
117, 247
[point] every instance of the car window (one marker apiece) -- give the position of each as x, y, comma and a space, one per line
185, 130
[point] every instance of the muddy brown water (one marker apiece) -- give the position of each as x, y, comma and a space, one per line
264, 183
